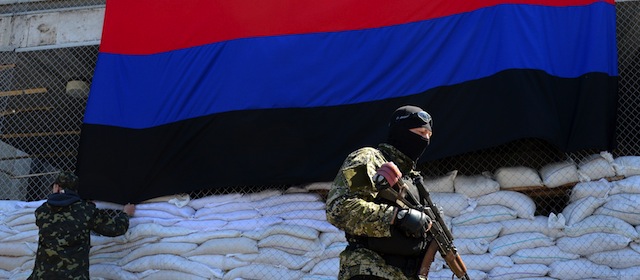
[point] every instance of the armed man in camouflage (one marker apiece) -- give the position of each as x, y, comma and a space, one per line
385, 240
65, 222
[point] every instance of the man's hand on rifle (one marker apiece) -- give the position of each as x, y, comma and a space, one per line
412, 222
388, 173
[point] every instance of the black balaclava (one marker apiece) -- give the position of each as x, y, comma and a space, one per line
407, 142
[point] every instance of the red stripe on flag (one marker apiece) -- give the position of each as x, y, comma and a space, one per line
154, 26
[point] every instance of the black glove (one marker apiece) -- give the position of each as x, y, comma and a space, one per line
412, 222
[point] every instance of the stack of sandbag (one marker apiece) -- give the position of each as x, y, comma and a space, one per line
265, 235
18, 238
595, 236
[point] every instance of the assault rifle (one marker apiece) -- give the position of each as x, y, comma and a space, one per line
442, 237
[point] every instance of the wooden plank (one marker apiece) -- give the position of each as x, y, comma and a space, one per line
22, 91
7, 66
39, 134
48, 155
24, 110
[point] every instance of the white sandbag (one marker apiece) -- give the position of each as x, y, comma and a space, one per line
290, 244
322, 226
157, 249
18, 249
262, 271
506, 245
214, 200
623, 206
8, 206
28, 265
275, 257
145, 230
475, 185
487, 232
262, 195
305, 214
597, 166
626, 185
486, 262
20, 275
21, 219
441, 184
580, 269
101, 240
580, 209
598, 189
136, 221
117, 247
627, 165
171, 275
21, 236
333, 250
631, 273
456, 202
622, 258
200, 225
317, 277
293, 230
214, 214
518, 271
524, 206
471, 246
185, 212
25, 227
108, 205
202, 236
635, 246
288, 198
485, 214
245, 225
556, 221
228, 207
223, 246
110, 271
542, 255
291, 206
9, 263
110, 257
157, 214
328, 238
559, 173
3, 273
538, 224
172, 262
328, 267
222, 262
601, 223
517, 176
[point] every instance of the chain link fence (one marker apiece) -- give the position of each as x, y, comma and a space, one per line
43, 92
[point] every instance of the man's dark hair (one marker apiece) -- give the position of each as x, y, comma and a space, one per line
67, 180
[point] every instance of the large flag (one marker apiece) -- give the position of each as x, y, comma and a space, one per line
210, 94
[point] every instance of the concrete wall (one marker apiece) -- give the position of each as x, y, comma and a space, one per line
51, 29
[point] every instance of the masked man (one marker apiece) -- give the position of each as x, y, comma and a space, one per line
386, 241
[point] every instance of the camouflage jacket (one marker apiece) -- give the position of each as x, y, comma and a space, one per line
64, 235
351, 207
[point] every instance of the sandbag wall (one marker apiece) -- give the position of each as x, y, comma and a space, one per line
265, 235
284, 234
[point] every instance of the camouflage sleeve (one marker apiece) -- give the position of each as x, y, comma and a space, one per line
350, 205
109, 224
